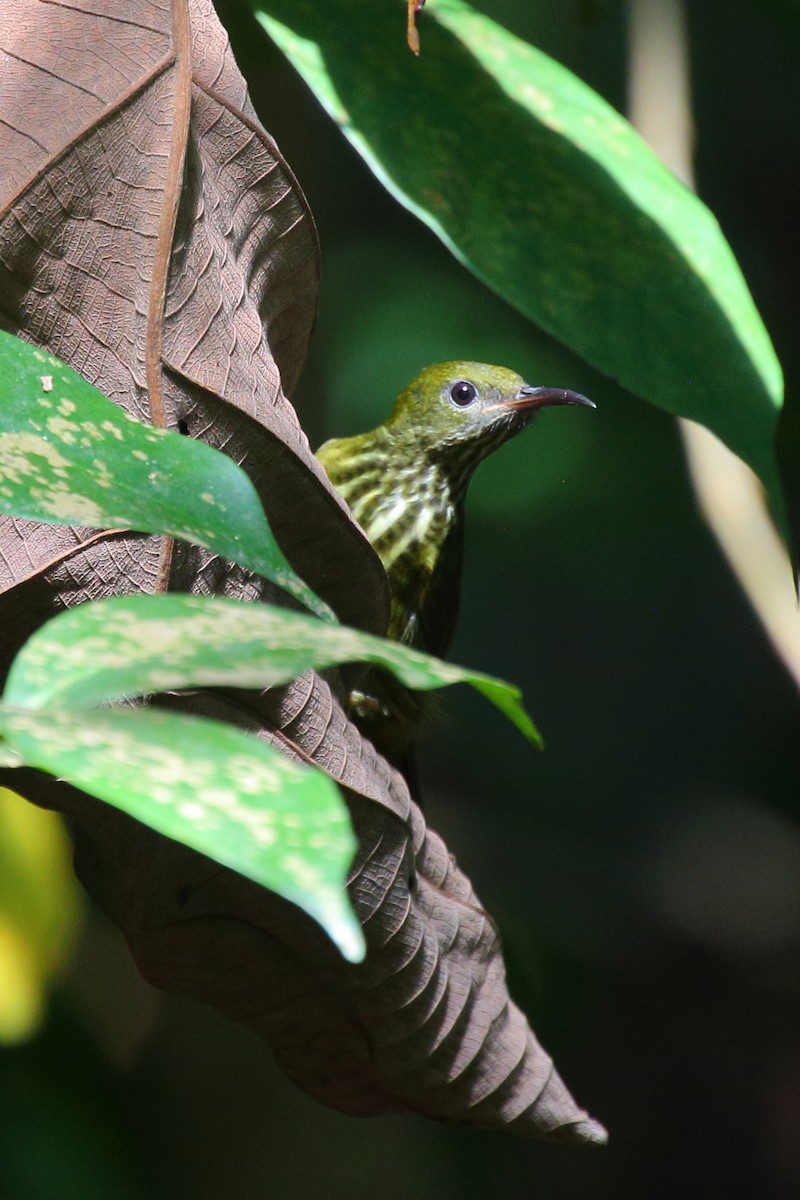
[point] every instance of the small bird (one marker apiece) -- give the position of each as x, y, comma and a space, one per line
405, 483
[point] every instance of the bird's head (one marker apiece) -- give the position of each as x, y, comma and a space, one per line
461, 411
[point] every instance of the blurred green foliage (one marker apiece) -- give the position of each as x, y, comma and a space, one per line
41, 907
644, 869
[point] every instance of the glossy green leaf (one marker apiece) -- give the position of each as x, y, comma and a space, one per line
68, 455
8, 756
211, 787
551, 198
132, 645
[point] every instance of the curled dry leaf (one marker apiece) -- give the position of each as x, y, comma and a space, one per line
152, 236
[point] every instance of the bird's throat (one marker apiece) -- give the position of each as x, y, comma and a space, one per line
406, 510
407, 513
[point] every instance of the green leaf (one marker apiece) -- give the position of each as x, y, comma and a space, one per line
68, 455
551, 198
132, 645
9, 757
211, 787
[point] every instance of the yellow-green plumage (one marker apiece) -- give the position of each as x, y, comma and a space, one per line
405, 483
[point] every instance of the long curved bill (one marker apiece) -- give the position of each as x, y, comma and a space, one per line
541, 397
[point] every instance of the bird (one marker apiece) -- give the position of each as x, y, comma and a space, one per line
405, 483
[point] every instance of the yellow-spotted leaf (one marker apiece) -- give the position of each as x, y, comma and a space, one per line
68, 455
132, 645
211, 787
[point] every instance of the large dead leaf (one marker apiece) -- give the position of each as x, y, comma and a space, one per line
152, 236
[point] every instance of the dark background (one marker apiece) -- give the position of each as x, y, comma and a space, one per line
645, 870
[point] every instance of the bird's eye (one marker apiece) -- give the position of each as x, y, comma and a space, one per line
463, 393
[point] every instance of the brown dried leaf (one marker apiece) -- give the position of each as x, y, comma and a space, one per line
152, 236
415, 7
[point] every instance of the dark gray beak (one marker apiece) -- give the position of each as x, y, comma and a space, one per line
542, 397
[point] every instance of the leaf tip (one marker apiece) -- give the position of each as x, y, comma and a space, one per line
341, 925
588, 1130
